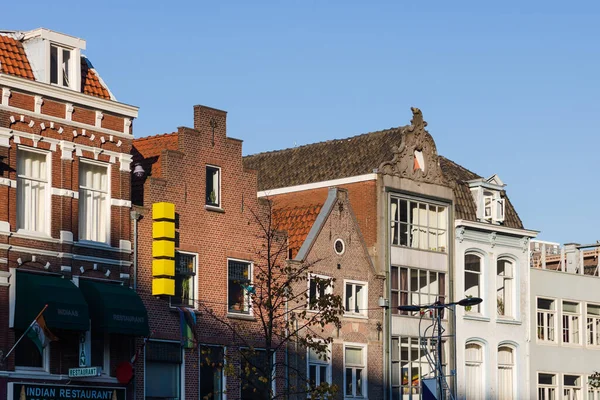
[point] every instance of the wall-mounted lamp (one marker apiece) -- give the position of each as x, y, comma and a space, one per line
138, 171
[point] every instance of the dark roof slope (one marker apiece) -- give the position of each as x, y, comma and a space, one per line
358, 155
324, 161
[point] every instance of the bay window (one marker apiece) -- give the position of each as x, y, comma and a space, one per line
94, 202
411, 286
418, 224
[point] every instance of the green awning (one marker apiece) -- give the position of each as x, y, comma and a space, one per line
115, 308
67, 308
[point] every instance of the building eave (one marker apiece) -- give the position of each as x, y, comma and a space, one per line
318, 185
496, 228
68, 95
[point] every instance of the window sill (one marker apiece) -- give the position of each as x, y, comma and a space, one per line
90, 244
476, 317
355, 316
413, 316
246, 317
33, 235
174, 308
546, 342
508, 321
214, 209
417, 248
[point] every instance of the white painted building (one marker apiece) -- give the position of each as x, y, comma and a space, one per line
491, 262
565, 323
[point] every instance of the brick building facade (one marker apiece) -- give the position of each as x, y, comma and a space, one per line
326, 236
65, 147
200, 171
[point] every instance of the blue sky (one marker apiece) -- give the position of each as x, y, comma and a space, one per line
507, 87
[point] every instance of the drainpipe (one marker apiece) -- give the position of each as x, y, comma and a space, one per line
135, 216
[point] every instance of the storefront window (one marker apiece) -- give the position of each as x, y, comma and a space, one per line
27, 353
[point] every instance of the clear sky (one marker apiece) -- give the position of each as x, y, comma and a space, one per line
508, 87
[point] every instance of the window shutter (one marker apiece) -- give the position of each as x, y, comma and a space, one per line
499, 217
487, 207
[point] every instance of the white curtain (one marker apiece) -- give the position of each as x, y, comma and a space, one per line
32, 186
93, 203
505, 373
474, 371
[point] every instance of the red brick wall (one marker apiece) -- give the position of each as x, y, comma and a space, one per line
21, 100
64, 215
53, 108
112, 122
353, 264
84, 115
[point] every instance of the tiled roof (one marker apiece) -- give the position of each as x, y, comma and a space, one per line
324, 161
90, 82
13, 60
358, 155
147, 151
465, 207
297, 222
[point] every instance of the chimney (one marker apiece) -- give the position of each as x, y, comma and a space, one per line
210, 121
572, 256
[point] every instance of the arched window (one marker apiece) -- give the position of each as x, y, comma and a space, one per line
474, 371
473, 280
505, 287
506, 369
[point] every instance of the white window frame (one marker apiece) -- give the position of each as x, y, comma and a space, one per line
363, 308
194, 278
572, 332
247, 301
592, 393
181, 368
218, 203
410, 226
476, 309
59, 71
328, 289
410, 291
108, 206
45, 368
507, 366
46, 232
592, 325
546, 315
550, 391
572, 392
319, 363
480, 365
364, 375
510, 293
493, 206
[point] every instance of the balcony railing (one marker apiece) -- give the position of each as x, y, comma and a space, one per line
570, 258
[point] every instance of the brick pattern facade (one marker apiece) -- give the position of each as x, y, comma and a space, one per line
67, 142
213, 234
353, 264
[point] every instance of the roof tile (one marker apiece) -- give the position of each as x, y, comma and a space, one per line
13, 55
297, 222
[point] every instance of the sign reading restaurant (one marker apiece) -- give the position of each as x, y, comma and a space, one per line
26, 391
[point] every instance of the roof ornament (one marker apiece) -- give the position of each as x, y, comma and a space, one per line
416, 157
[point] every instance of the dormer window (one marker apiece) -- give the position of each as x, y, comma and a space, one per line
60, 66
487, 194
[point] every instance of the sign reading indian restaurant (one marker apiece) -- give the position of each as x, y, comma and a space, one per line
26, 391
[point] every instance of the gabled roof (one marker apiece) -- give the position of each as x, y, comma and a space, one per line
297, 223
324, 161
358, 155
464, 206
14, 61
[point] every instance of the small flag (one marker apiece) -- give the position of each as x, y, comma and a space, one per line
40, 334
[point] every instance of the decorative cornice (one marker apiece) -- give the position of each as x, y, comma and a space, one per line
8, 182
56, 92
5, 96
56, 120
65, 192
120, 203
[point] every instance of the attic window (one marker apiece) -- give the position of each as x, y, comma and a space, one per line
493, 209
60, 66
